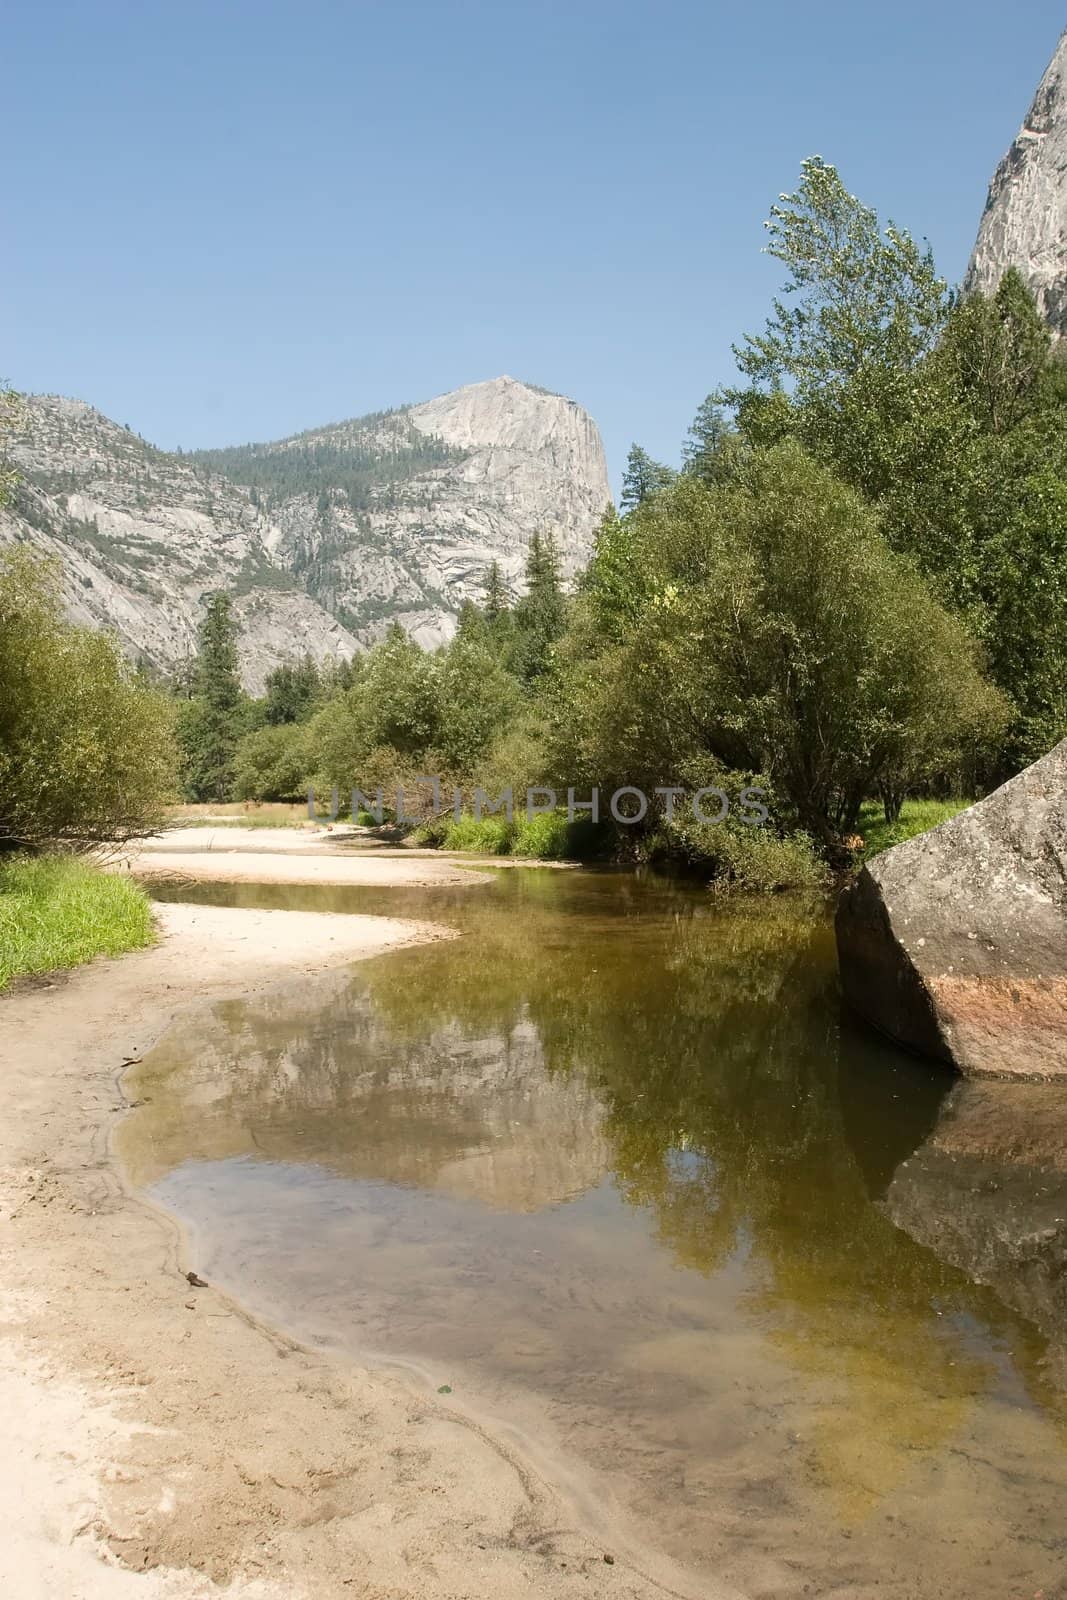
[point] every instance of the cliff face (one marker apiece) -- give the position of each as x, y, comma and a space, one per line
323, 539
1024, 224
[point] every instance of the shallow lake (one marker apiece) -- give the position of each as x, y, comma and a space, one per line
616, 1168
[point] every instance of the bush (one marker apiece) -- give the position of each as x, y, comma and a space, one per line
56, 912
754, 859
272, 763
493, 836
86, 748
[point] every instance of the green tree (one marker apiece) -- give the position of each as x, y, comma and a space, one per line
273, 763
292, 691
613, 583
86, 748
864, 296
540, 616
707, 447
781, 636
642, 478
211, 723
496, 603
478, 700
949, 416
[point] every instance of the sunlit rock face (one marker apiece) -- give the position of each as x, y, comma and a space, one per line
324, 539
955, 943
1024, 224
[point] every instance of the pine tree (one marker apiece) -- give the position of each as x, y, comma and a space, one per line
496, 595
541, 615
211, 722
642, 478
703, 447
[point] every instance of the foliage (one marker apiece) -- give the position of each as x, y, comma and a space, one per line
754, 860
212, 722
782, 636
540, 617
948, 415
710, 443
273, 763
56, 912
864, 297
477, 698
86, 748
643, 478
293, 690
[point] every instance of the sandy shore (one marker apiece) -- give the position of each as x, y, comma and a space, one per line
290, 855
159, 1443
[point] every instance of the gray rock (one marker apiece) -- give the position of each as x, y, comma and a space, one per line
955, 943
1024, 224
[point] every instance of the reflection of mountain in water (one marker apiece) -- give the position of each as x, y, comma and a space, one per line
477, 1118
987, 1192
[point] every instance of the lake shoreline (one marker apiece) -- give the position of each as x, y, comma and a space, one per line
157, 1429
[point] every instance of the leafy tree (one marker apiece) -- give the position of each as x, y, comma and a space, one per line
781, 636
949, 416
86, 748
393, 706
613, 583
478, 700
864, 296
642, 478
273, 763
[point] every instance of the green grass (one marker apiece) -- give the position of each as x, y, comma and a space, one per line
547, 836
916, 816
58, 912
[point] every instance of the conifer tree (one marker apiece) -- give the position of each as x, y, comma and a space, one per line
211, 723
642, 478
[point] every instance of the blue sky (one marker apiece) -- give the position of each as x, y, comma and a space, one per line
230, 221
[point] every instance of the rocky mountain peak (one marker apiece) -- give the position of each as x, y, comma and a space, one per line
324, 538
1024, 224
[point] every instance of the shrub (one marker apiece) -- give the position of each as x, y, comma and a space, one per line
756, 859
86, 748
493, 836
272, 763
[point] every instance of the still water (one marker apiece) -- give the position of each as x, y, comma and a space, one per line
616, 1168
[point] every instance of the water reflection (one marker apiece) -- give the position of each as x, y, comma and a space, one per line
616, 1157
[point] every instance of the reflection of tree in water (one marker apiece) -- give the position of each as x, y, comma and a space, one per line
704, 1045
716, 1045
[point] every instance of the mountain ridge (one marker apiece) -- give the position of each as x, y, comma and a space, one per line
392, 516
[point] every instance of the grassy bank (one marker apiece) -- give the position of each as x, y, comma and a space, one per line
752, 859
916, 816
58, 912
757, 859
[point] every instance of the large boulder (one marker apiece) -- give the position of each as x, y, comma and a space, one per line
955, 944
